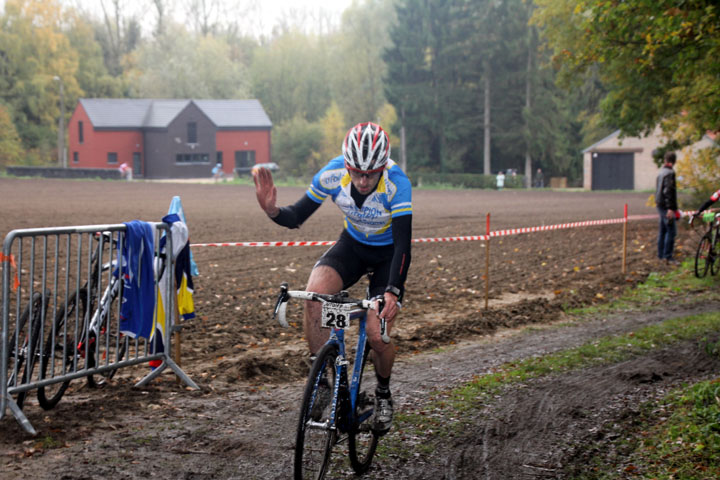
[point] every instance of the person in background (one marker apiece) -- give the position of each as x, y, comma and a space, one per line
666, 203
539, 179
125, 171
217, 172
500, 180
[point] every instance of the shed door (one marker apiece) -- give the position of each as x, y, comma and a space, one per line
613, 171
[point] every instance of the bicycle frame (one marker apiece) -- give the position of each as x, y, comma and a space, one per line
349, 402
337, 337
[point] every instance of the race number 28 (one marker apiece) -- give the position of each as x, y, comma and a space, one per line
335, 316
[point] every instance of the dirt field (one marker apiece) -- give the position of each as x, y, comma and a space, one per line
241, 424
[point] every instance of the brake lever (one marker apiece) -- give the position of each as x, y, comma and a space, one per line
383, 323
281, 305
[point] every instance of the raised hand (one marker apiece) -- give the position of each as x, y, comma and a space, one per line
265, 191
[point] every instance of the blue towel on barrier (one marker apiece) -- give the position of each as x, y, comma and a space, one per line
138, 302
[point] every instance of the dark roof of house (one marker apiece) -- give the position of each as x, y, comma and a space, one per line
159, 113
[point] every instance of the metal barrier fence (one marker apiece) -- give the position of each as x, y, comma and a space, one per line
62, 292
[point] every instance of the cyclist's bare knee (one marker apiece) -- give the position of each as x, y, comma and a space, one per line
323, 279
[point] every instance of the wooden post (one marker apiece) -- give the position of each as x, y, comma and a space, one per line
487, 260
624, 256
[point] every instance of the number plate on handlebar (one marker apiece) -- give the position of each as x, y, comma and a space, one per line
336, 315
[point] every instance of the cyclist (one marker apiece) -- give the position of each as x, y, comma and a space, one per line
713, 198
374, 194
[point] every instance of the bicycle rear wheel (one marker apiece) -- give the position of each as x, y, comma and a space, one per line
362, 441
703, 256
315, 436
60, 352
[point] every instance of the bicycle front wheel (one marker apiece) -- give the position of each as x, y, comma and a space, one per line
362, 441
315, 434
715, 255
59, 352
28, 341
110, 350
703, 256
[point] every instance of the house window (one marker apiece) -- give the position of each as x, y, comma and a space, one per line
75, 157
244, 158
218, 158
81, 135
112, 157
192, 132
192, 158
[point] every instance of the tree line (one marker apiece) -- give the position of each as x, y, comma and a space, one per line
471, 86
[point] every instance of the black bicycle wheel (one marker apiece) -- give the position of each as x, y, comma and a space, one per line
362, 441
28, 344
703, 256
315, 436
110, 351
715, 263
59, 351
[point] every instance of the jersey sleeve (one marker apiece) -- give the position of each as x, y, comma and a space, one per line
326, 182
401, 201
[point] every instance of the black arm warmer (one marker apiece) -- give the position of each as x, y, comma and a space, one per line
402, 235
295, 215
705, 205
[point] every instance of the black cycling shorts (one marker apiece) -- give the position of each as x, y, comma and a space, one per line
352, 259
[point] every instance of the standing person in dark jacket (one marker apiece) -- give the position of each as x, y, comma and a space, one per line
666, 202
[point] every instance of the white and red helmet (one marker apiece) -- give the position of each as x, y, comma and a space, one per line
366, 147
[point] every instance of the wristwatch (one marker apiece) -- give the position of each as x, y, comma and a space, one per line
394, 290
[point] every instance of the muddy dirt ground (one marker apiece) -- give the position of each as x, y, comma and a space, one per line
241, 423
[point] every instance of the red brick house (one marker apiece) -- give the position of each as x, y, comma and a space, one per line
168, 138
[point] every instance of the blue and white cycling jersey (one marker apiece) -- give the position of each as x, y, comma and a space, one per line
370, 224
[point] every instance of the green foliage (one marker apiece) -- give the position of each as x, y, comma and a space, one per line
699, 172
296, 145
656, 58
357, 86
447, 57
10, 145
92, 76
182, 65
290, 77
35, 52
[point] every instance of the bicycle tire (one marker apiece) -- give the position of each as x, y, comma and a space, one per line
715, 263
100, 380
362, 440
116, 348
703, 256
313, 445
61, 358
27, 357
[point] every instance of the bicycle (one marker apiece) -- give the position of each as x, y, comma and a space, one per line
331, 406
23, 342
97, 338
707, 256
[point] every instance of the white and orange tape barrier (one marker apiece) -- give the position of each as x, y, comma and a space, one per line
462, 238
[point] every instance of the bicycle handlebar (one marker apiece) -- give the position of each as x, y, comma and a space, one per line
280, 311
